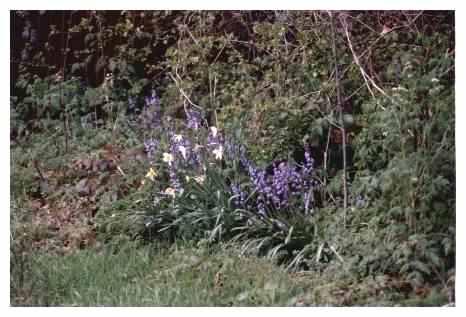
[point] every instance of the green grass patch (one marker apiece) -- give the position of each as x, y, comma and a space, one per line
142, 276
138, 275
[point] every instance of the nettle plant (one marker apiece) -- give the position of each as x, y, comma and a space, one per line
206, 188
406, 168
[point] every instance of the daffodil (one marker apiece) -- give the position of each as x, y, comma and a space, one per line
167, 158
200, 179
214, 131
182, 149
151, 174
170, 192
187, 178
218, 152
178, 137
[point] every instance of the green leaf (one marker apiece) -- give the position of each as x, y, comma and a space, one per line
421, 267
288, 237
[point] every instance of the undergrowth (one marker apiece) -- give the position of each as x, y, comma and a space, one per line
331, 180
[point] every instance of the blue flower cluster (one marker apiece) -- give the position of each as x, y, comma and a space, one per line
194, 119
131, 104
276, 191
287, 185
152, 111
150, 146
183, 151
239, 195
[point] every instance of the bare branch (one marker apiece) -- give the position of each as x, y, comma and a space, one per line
364, 74
182, 91
342, 126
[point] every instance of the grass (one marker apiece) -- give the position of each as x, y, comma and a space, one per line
143, 276
138, 275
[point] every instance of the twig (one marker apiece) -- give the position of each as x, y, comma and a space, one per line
182, 91
325, 177
410, 22
219, 53
14, 61
354, 93
361, 22
363, 72
340, 110
251, 44
66, 123
36, 166
447, 71
305, 95
356, 59
326, 155
328, 192
191, 35
336, 253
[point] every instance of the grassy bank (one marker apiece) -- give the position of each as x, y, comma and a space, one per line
144, 276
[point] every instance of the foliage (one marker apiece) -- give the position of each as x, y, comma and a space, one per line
405, 165
198, 128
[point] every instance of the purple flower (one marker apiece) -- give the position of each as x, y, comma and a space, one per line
152, 100
235, 151
284, 184
308, 160
175, 183
131, 103
151, 147
240, 199
280, 185
259, 181
182, 148
243, 158
261, 207
194, 118
360, 201
152, 112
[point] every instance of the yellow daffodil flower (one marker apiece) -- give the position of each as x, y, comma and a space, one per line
151, 174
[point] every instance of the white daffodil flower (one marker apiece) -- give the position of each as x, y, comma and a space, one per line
214, 131
167, 158
170, 192
218, 152
178, 137
200, 179
182, 149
